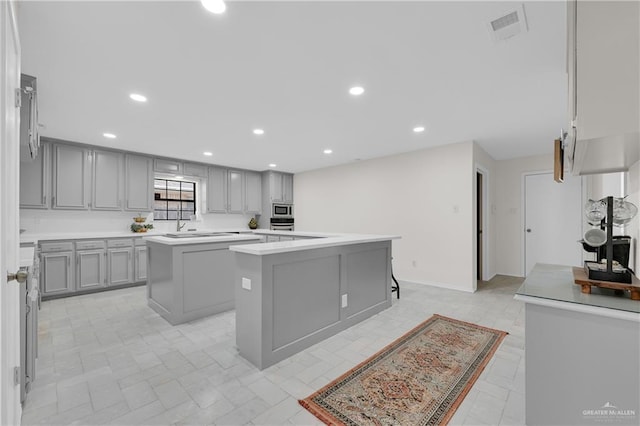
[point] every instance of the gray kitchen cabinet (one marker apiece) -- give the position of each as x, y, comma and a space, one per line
140, 264
196, 170
107, 180
138, 183
253, 192
604, 106
167, 166
35, 179
280, 187
120, 266
235, 191
90, 271
217, 190
56, 273
71, 177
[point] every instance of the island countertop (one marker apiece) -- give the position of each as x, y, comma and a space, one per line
314, 240
553, 285
222, 238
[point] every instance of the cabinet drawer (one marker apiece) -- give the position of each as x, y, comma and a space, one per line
90, 245
59, 246
139, 242
127, 242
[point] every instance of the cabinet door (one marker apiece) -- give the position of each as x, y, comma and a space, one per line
140, 268
287, 188
90, 269
70, 177
138, 183
253, 192
120, 266
275, 187
56, 273
107, 180
34, 179
217, 190
235, 191
191, 169
167, 166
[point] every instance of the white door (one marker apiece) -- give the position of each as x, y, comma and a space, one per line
10, 410
553, 220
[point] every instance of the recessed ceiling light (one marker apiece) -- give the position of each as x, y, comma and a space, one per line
272, 165
418, 129
109, 135
138, 97
356, 90
327, 151
214, 6
258, 132
207, 153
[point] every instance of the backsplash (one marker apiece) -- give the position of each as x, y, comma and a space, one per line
57, 221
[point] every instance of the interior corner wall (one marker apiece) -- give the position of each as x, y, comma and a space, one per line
425, 196
509, 231
485, 162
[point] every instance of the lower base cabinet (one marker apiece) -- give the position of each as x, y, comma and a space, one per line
57, 273
120, 266
140, 266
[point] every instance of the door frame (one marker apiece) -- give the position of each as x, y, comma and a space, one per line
486, 231
523, 206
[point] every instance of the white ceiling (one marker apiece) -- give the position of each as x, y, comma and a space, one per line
286, 67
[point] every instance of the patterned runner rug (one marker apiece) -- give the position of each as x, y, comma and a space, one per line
420, 379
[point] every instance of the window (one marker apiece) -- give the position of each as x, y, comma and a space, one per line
173, 199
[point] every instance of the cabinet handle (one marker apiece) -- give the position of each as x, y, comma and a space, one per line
44, 200
53, 201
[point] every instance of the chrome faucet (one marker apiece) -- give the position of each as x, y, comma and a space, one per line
178, 226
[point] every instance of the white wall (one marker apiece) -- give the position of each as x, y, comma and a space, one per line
508, 215
425, 196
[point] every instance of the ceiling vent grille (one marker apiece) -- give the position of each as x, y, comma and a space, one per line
508, 25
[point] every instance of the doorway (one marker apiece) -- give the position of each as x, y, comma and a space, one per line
480, 223
552, 220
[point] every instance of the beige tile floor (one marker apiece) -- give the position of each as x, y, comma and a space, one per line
107, 358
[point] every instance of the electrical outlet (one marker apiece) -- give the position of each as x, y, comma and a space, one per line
246, 283
413, 263
344, 300
16, 376
456, 209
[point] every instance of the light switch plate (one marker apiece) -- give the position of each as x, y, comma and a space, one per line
344, 300
246, 283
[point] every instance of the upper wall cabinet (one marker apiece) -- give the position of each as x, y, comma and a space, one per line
197, 170
603, 67
35, 180
217, 190
167, 166
107, 180
253, 192
280, 187
71, 177
138, 183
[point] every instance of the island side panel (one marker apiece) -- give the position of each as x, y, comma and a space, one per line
305, 295
578, 362
160, 291
367, 279
249, 307
207, 281
301, 295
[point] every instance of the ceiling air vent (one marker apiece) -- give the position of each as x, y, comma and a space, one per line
508, 25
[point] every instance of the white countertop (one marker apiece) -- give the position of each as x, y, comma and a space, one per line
84, 235
553, 286
224, 238
322, 240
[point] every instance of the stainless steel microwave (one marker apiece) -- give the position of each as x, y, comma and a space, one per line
282, 210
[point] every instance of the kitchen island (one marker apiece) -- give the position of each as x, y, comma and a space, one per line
191, 276
292, 294
582, 356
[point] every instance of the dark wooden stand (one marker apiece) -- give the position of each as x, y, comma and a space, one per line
580, 278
